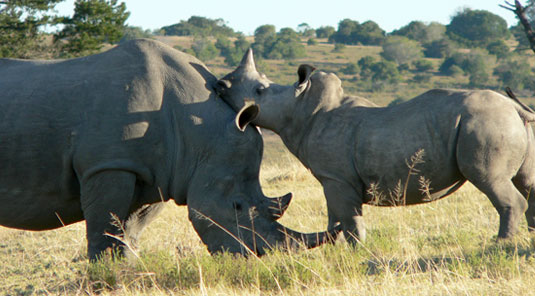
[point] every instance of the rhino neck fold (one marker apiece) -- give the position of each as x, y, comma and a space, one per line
294, 133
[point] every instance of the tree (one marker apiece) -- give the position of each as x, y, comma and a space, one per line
421, 32
232, 52
498, 48
369, 33
515, 74
401, 50
477, 27
473, 64
204, 49
94, 22
526, 16
383, 73
20, 24
520, 36
440, 48
286, 44
131, 33
415, 30
199, 26
350, 69
343, 35
264, 37
325, 32
305, 30
435, 31
351, 32
365, 64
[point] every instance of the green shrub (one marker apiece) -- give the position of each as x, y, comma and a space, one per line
350, 69
439, 48
423, 65
401, 49
498, 48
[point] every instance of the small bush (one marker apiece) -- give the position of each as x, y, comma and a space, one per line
401, 50
499, 49
204, 49
339, 47
423, 65
422, 78
439, 48
350, 69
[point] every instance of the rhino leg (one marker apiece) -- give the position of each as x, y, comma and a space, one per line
490, 153
104, 195
525, 179
530, 213
509, 203
345, 206
525, 183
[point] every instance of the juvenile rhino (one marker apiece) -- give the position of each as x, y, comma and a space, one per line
355, 148
120, 132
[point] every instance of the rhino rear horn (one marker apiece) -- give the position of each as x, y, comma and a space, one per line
303, 72
279, 205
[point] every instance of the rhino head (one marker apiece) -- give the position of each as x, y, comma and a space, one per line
278, 103
225, 201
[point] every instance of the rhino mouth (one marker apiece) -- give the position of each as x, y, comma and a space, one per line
251, 243
258, 241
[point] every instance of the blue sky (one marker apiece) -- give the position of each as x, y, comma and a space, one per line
246, 15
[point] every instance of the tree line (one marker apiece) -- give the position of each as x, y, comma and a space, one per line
98, 22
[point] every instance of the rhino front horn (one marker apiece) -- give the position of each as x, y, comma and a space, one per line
247, 62
310, 240
279, 205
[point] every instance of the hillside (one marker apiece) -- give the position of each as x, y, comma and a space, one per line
323, 56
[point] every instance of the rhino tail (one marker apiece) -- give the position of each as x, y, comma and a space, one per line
527, 114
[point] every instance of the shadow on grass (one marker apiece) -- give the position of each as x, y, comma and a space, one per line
499, 259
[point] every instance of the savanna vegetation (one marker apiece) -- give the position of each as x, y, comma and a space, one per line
447, 247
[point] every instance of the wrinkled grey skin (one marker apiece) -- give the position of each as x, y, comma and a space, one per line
120, 132
352, 145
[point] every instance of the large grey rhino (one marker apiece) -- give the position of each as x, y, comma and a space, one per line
117, 133
359, 151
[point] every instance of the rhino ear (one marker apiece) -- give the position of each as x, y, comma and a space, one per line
247, 114
304, 72
222, 86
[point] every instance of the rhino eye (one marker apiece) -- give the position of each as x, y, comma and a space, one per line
260, 90
237, 206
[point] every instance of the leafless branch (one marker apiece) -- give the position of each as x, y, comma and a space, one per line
520, 12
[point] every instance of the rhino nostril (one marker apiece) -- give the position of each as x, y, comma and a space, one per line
237, 206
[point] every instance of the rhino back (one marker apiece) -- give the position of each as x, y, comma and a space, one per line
376, 143
61, 120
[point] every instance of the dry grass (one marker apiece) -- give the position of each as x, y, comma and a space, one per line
442, 248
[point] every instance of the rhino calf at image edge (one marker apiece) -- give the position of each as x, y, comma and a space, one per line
112, 136
365, 154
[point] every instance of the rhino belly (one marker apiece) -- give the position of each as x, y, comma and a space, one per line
38, 187
396, 183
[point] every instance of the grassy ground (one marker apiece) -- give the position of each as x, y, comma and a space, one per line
442, 248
